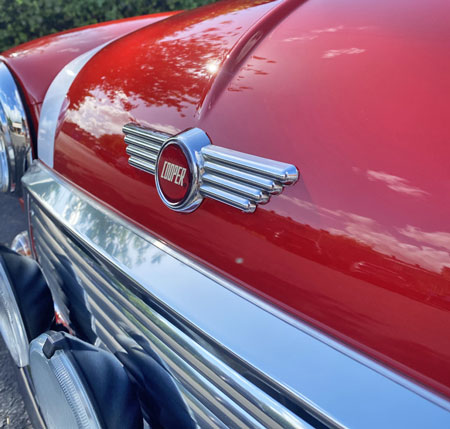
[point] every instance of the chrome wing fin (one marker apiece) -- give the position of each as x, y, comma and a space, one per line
241, 180
143, 146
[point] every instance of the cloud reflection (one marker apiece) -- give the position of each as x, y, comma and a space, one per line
94, 108
332, 53
431, 250
395, 183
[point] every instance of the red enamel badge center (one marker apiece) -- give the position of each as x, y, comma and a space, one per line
174, 174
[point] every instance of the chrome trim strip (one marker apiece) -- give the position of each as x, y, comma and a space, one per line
143, 144
29, 398
12, 328
335, 384
140, 153
233, 171
15, 139
53, 103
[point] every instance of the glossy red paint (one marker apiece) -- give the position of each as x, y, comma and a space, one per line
35, 64
356, 95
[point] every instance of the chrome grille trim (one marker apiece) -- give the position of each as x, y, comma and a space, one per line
333, 383
197, 372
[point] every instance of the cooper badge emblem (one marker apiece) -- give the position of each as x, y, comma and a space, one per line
188, 168
177, 172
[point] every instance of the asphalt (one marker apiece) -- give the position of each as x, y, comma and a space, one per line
12, 409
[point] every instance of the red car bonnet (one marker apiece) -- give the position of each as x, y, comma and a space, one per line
356, 97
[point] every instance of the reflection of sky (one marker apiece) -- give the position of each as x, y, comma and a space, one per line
395, 183
93, 110
332, 53
8, 100
408, 243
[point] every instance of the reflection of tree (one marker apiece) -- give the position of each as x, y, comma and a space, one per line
51, 193
113, 238
166, 64
156, 259
170, 70
255, 66
109, 235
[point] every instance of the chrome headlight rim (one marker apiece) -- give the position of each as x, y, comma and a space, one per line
4, 166
26, 304
15, 137
61, 393
78, 382
12, 327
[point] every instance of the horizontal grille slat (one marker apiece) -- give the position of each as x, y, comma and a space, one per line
193, 374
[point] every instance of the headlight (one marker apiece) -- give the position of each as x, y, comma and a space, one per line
81, 386
15, 143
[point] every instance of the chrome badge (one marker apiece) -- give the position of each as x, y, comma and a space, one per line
188, 168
